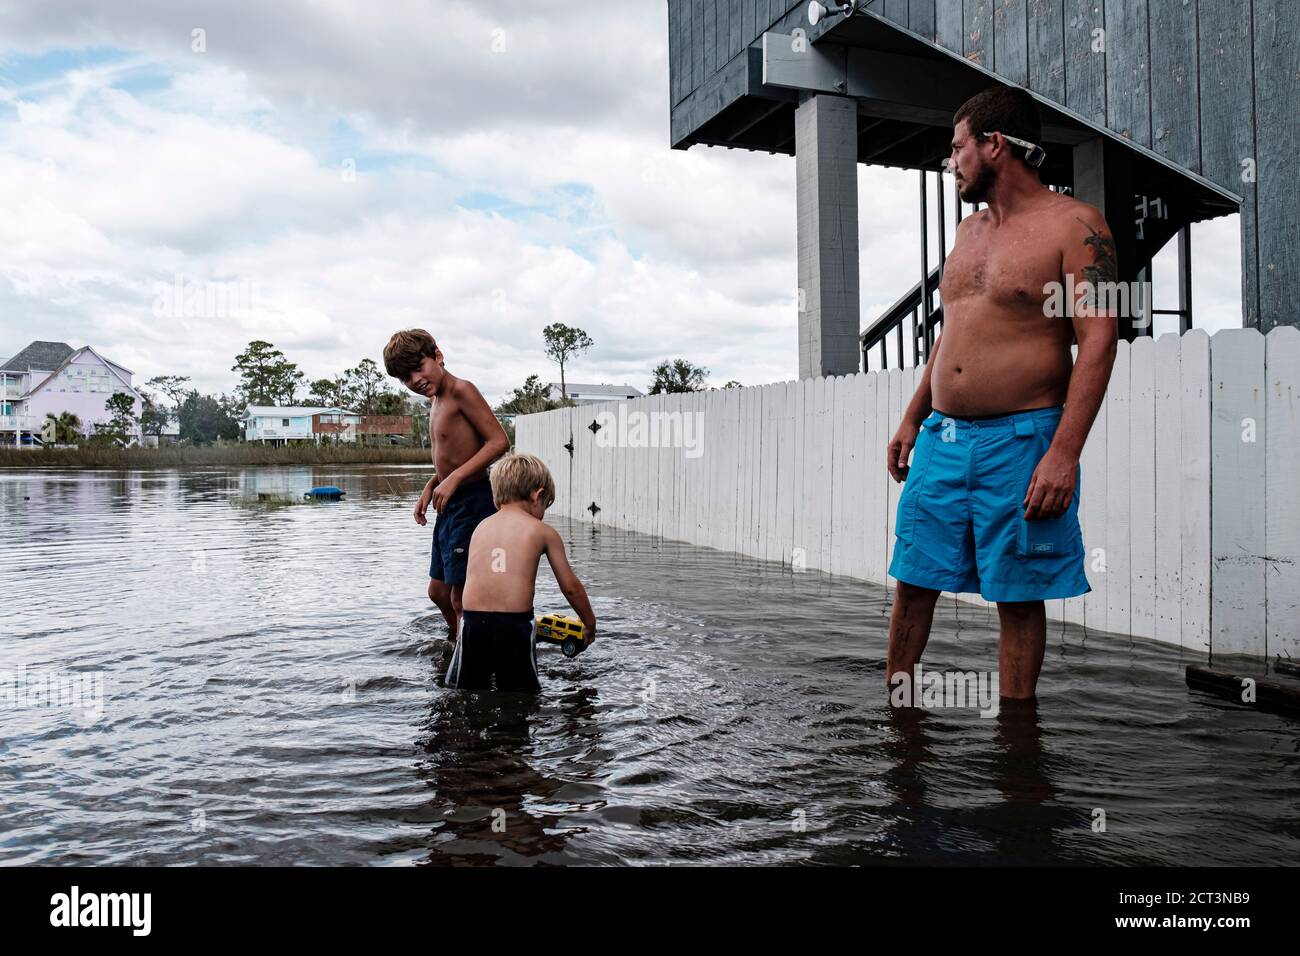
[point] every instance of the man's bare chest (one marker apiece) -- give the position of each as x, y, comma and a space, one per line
1011, 268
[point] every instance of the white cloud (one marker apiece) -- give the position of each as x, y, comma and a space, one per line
503, 181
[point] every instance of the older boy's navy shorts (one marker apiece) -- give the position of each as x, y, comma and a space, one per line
454, 526
960, 525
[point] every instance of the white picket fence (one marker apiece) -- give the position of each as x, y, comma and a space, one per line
1190, 504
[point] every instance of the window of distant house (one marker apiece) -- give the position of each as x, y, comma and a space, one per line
284, 423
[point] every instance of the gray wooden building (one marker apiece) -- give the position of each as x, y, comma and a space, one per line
1160, 112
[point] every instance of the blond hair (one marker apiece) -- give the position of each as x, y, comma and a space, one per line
516, 477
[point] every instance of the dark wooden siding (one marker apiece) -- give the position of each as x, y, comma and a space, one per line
1174, 98
1128, 70
1047, 49
1277, 99
948, 24
977, 44
1209, 84
1011, 41
895, 10
920, 18
1085, 68
1227, 127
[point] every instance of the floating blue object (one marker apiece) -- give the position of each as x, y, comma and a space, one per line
326, 491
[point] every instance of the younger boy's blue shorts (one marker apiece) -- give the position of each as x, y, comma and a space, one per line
960, 525
454, 526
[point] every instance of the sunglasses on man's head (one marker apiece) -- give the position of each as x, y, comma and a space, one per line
1035, 155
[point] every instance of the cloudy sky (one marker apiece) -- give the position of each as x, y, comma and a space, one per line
331, 174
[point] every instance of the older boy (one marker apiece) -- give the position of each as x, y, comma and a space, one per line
465, 437
497, 619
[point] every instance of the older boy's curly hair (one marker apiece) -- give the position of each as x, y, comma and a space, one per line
405, 352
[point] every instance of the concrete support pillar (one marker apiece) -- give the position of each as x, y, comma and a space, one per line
826, 173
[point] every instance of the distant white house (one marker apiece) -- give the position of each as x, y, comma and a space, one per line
279, 425
581, 394
52, 378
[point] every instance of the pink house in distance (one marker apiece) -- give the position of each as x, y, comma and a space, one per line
52, 378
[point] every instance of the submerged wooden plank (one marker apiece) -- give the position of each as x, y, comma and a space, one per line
799, 476
1118, 504
835, 394
787, 468
856, 478
1168, 404
875, 525
1194, 479
1281, 502
1142, 487
825, 397
1237, 436
1094, 479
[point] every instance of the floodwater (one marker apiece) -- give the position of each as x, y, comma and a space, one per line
195, 676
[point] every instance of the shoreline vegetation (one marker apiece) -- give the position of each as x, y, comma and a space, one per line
179, 456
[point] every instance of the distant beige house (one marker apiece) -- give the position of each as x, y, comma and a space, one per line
581, 394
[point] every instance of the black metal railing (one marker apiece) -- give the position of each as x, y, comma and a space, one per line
914, 317
918, 310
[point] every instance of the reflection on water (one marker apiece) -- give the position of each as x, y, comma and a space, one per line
270, 690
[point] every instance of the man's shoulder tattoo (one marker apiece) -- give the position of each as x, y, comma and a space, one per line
1105, 260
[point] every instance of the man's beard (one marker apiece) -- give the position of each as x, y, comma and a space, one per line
974, 190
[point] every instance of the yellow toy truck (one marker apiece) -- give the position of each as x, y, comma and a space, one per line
568, 632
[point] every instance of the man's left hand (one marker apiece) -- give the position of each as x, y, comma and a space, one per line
1051, 487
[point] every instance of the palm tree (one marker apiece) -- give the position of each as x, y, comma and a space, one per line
67, 427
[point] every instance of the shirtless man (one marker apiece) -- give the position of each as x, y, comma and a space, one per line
465, 437
1000, 417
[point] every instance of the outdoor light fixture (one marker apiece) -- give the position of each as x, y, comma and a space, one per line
1035, 154
818, 11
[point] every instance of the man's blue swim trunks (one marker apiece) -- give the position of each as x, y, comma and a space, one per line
960, 525
454, 526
